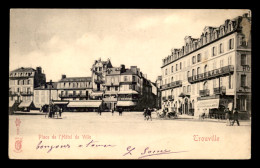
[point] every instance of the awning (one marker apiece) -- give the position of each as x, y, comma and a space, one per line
85, 104
26, 104
110, 93
125, 103
128, 92
11, 103
209, 104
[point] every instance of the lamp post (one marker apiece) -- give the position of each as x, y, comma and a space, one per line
50, 84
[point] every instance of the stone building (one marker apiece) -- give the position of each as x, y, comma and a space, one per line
22, 82
210, 72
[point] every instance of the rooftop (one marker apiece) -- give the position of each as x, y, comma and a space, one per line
76, 79
24, 69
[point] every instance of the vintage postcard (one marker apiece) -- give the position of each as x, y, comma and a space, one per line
130, 84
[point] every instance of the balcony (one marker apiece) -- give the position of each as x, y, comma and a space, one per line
13, 93
212, 74
220, 90
100, 81
204, 93
26, 93
73, 95
171, 85
164, 98
170, 97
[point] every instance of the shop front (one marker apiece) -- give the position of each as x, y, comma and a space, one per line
84, 106
214, 106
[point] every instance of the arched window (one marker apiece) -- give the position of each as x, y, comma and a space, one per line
205, 85
172, 79
193, 72
205, 68
198, 70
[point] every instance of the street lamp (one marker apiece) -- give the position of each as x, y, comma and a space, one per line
50, 84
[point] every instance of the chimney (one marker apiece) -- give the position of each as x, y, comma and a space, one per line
134, 69
122, 66
63, 76
39, 70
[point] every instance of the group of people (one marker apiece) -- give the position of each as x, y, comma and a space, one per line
52, 109
148, 114
231, 117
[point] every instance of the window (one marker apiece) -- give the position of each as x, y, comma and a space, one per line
176, 67
96, 69
184, 89
172, 69
221, 48
231, 44
199, 58
214, 51
230, 82
188, 89
108, 88
28, 82
205, 68
134, 78
193, 72
193, 59
166, 71
18, 90
180, 66
125, 78
100, 68
172, 79
243, 59
198, 70
116, 88
243, 80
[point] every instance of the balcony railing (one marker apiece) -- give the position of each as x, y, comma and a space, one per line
170, 97
220, 90
26, 93
13, 93
204, 93
172, 85
164, 98
72, 95
212, 74
127, 99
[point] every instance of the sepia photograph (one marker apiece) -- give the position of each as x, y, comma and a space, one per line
129, 84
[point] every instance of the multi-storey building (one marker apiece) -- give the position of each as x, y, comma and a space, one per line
22, 82
210, 72
76, 91
45, 94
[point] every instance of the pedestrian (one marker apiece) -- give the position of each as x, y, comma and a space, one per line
235, 117
120, 110
99, 111
145, 113
227, 116
60, 111
112, 111
149, 114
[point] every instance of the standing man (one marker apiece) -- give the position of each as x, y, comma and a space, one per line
99, 111
60, 111
235, 117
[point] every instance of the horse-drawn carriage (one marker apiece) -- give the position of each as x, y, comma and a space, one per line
164, 113
52, 111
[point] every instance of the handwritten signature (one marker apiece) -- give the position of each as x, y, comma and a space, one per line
149, 152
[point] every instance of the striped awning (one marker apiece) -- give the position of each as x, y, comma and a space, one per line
26, 104
11, 103
84, 104
125, 103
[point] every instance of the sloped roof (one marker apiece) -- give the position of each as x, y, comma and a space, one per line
22, 69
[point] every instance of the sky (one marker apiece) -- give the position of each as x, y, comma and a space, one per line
68, 41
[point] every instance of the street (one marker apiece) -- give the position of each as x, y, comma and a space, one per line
185, 138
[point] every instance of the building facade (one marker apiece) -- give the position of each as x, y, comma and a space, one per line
210, 72
22, 82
